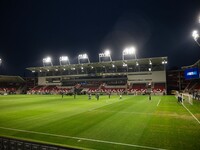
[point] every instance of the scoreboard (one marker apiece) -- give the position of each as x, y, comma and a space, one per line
192, 73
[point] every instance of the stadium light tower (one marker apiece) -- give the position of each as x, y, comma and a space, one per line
64, 60
195, 35
105, 55
83, 57
47, 61
130, 51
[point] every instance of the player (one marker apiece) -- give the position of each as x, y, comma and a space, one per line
149, 95
109, 94
120, 96
89, 96
97, 96
62, 93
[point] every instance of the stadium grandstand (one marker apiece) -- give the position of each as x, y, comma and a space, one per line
11, 85
131, 76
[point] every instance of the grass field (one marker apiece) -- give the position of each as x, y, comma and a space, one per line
132, 122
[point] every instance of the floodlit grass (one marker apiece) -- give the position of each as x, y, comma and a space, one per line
132, 122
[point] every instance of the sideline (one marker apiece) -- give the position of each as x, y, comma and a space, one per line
191, 113
83, 139
158, 102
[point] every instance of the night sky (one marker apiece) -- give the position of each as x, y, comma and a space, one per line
32, 30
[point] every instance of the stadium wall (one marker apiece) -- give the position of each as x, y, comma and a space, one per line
43, 81
145, 77
132, 77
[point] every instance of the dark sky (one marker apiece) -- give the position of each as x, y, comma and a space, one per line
32, 30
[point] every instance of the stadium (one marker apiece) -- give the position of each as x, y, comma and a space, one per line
124, 104
99, 75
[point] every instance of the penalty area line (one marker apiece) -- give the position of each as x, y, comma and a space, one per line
82, 139
158, 102
191, 113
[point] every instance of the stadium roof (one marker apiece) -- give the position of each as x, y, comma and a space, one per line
197, 64
16, 79
118, 63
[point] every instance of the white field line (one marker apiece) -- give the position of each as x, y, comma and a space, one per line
83, 139
191, 113
158, 102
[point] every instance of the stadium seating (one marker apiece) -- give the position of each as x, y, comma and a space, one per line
159, 88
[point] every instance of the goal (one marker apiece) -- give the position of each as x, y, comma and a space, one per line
187, 98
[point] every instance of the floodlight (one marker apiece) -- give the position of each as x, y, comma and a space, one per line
33, 71
195, 35
107, 53
130, 51
83, 57
73, 68
164, 62
0, 61
47, 61
137, 64
125, 65
113, 65
105, 56
149, 69
64, 60
150, 63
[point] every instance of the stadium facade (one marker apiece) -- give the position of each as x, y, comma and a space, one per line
127, 76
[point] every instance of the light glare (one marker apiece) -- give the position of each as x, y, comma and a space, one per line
195, 35
64, 58
47, 59
129, 51
107, 53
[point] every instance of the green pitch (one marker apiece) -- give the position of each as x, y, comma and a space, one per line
132, 122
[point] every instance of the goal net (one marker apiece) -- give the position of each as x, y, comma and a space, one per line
187, 98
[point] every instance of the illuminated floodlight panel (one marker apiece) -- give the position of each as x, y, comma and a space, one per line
0, 61
105, 56
83, 58
195, 35
125, 65
64, 60
107, 53
150, 62
164, 62
47, 61
129, 52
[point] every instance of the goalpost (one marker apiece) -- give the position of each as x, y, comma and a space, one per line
187, 98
